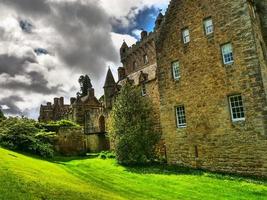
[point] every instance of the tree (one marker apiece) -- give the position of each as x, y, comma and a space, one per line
131, 127
85, 84
2, 116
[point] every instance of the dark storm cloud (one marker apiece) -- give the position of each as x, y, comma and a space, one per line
38, 84
13, 65
10, 102
84, 27
36, 7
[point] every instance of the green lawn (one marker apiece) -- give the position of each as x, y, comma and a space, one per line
24, 177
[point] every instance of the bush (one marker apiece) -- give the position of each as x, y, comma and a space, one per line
107, 155
55, 126
24, 135
131, 127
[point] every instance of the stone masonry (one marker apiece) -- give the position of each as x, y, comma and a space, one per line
211, 139
140, 68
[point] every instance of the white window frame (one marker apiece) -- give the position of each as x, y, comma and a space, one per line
146, 59
176, 70
208, 26
180, 116
186, 35
134, 65
226, 54
143, 89
237, 105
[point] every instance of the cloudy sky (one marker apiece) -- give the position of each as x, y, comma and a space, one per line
45, 45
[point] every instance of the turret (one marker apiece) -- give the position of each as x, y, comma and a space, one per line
143, 35
123, 50
121, 73
159, 20
109, 89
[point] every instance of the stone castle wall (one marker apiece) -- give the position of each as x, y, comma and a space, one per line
71, 141
211, 140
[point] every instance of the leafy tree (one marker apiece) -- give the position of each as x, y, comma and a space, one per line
24, 135
85, 84
131, 127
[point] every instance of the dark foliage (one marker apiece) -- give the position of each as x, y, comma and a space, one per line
131, 127
2, 116
85, 84
22, 134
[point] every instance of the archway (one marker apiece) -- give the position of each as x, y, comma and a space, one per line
102, 125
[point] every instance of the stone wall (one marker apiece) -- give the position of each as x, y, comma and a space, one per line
136, 53
211, 140
97, 143
71, 141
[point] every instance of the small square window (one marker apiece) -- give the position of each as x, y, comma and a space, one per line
145, 59
176, 70
237, 108
208, 25
227, 53
186, 36
143, 89
180, 117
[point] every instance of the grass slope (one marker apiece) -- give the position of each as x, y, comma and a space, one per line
24, 177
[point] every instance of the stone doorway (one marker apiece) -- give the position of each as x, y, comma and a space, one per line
102, 125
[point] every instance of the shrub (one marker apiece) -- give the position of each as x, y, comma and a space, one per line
107, 155
24, 135
55, 126
131, 127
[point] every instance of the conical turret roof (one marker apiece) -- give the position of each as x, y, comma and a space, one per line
109, 79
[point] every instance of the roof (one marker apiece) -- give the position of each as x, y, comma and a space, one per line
150, 72
109, 79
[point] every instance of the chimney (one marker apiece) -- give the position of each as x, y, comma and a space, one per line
49, 104
72, 100
91, 92
61, 101
143, 34
121, 73
56, 101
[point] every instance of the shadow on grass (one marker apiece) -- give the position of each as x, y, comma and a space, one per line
63, 159
159, 169
164, 169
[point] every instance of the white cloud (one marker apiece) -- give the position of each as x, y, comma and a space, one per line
120, 8
79, 38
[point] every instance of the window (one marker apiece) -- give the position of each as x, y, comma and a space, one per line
186, 36
227, 53
176, 70
145, 59
134, 65
208, 25
143, 89
180, 117
237, 108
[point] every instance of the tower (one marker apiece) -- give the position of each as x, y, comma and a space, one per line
109, 89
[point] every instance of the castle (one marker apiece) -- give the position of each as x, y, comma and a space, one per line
204, 69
